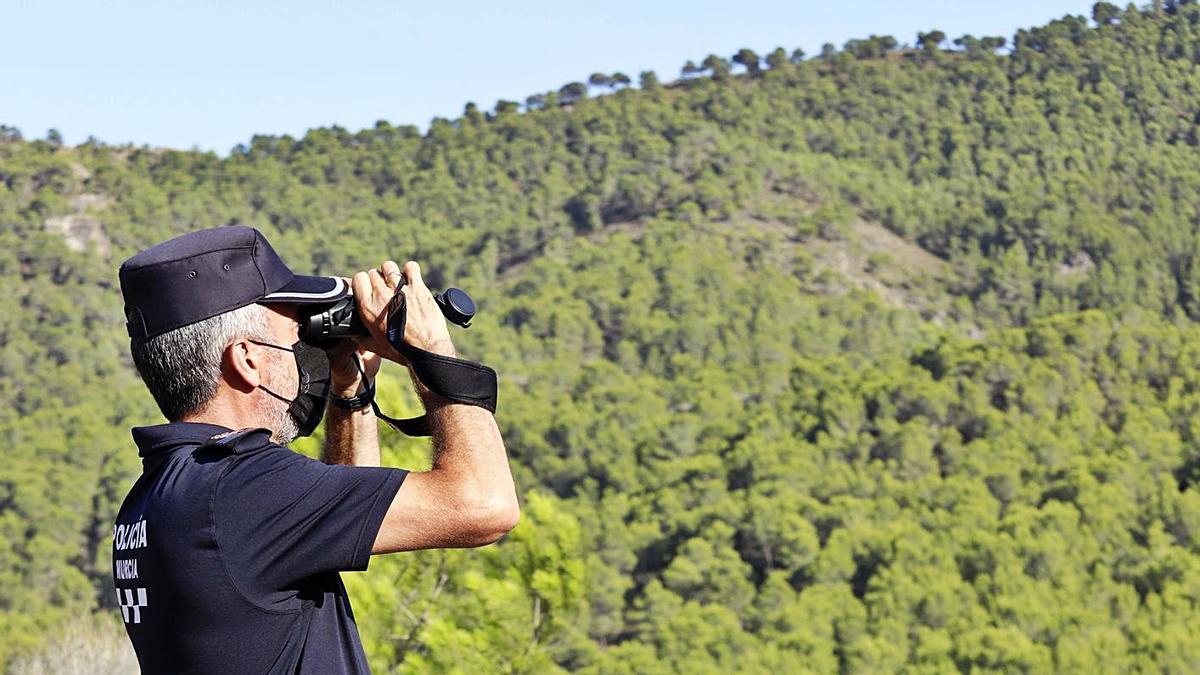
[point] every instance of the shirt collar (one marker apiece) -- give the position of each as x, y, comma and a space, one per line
151, 440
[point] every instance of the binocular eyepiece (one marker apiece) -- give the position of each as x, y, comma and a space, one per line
340, 320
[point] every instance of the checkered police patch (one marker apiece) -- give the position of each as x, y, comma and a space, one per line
131, 604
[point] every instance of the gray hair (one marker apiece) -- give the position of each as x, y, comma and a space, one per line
181, 367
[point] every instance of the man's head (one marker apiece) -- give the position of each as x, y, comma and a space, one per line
224, 359
212, 322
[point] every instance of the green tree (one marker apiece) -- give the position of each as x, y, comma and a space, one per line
600, 80
750, 60
504, 107
572, 92
778, 58
930, 41
1105, 13
717, 66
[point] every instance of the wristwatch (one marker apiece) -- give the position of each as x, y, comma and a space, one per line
356, 402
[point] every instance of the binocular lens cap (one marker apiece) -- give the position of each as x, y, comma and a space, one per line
458, 307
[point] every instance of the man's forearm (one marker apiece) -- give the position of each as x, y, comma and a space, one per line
467, 445
351, 437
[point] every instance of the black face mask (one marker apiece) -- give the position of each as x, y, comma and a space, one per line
308, 407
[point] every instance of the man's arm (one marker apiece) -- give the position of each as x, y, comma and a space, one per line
351, 437
467, 498
468, 457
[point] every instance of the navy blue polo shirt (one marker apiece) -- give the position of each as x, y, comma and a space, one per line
226, 553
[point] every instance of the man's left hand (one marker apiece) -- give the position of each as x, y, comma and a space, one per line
345, 380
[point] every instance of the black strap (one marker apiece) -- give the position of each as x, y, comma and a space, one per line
412, 426
454, 379
356, 402
458, 380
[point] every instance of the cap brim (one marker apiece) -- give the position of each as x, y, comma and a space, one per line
303, 290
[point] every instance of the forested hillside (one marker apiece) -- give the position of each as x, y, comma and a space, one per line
881, 359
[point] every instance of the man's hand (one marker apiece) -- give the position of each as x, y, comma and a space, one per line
467, 498
345, 379
424, 327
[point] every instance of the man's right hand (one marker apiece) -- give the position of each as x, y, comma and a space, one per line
425, 326
467, 497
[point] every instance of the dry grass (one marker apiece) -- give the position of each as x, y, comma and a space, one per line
89, 645
874, 258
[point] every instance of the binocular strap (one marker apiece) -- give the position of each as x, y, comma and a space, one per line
456, 380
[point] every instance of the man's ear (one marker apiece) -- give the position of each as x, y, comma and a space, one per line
244, 365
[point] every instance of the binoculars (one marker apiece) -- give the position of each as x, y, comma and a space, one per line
326, 325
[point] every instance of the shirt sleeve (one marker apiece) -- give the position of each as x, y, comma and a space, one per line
279, 517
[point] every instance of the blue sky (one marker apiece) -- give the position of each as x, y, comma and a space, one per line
211, 74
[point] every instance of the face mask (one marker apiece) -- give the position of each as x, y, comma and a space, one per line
312, 363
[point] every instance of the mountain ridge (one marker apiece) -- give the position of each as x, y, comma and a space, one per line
731, 455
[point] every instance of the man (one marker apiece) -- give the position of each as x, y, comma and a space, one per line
226, 551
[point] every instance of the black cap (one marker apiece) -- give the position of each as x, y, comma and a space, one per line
202, 274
